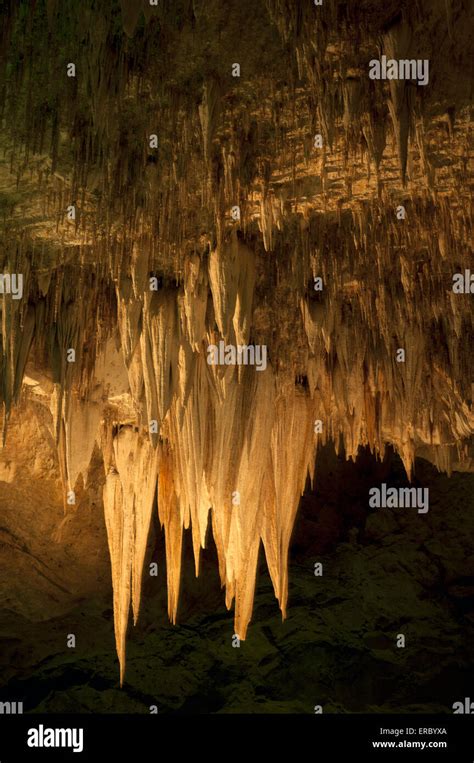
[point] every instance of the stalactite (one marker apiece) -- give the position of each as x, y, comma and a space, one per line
156, 205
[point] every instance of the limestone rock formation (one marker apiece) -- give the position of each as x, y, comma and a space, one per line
156, 205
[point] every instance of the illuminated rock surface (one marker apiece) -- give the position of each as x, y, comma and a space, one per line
140, 412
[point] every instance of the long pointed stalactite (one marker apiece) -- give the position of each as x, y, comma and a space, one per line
157, 206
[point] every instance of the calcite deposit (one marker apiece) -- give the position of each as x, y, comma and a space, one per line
156, 204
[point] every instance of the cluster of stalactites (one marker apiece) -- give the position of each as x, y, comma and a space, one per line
59, 320
240, 442
216, 149
233, 445
236, 440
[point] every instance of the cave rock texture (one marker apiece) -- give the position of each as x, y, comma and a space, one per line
157, 200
